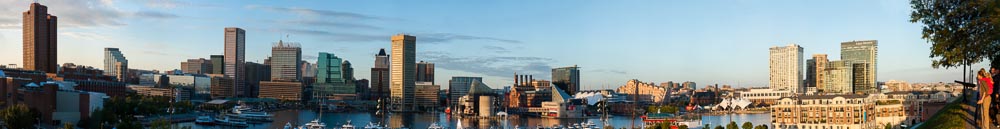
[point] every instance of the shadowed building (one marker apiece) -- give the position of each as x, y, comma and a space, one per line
39, 36
567, 78
380, 76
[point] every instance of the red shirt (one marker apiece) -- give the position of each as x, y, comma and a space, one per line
988, 83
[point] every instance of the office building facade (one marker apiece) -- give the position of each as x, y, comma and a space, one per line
403, 72
425, 72
197, 66
864, 55
816, 71
235, 45
286, 60
567, 78
218, 64
380, 76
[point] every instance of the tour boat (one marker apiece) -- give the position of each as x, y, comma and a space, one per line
226, 121
372, 125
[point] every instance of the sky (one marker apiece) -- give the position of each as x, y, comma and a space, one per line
707, 42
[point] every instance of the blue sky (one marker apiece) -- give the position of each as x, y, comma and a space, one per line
708, 42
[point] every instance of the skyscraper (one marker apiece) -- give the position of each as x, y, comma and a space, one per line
786, 68
380, 76
308, 69
425, 72
816, 71
286, 62
838, 78
329, 76
235, 42
403, 72
39, 37
115, 63
862, 55
567, 78
218, 67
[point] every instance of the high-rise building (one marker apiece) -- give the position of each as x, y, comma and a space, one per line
329, 75
255, 74
459, 86
403, 72
380, 76
218, 65
115, 64
567, 78
308, 69
39, 37
839, 78
286, 62
815, 71
348, 71
196, 66
281, 90
235, 42
864, 55
425, 72
690, 85
786, 68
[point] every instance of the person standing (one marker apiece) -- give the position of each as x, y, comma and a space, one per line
985, 92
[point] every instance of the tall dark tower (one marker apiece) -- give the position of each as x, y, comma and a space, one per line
39, 39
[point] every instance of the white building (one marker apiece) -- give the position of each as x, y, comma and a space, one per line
786, 68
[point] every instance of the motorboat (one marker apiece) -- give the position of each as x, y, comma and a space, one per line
204, 120
435, 126
347, 125
314, 124
372, 125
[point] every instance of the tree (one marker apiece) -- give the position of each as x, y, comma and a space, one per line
719, 127
732, 125
961, 32
706, 126
747, 125
160, 124
682, 127
761, 127
887, 126
18, 117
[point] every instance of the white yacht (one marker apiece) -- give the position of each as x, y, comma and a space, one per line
435, 126
348, 125
372, 125
314, 124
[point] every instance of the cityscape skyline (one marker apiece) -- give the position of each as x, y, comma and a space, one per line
371, 29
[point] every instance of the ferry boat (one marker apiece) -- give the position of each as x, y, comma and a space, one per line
226, 121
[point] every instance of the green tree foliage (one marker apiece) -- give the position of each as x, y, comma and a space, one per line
18, 117
761, 127
960, 31
682, 127
747, 125
719, 127
160, 124
732, 125
663, 109
887, 126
